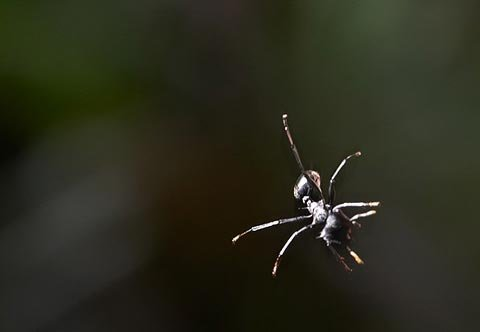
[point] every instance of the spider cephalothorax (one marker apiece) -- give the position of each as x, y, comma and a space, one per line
328, 220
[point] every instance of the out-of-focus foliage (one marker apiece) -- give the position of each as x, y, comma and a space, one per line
137, 137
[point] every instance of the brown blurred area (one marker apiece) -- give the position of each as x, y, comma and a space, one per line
137, 138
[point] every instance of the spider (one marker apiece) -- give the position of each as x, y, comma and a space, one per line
331, 224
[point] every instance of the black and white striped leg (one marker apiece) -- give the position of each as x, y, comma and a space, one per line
361, 215
331, 187
355, 204
355, 256
270, 224
285, 246
339, 258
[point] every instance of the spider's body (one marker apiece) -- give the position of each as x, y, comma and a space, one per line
333, 225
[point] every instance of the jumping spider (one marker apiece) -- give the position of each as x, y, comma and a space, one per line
331, 223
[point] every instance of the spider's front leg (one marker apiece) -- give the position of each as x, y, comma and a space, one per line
354, 219
355, 256
336, 232
339, 258
330, 234
355, 204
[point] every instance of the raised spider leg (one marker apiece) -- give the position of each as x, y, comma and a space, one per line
339, 258
354, 219
270, 224
292, 144
356, 204
285, 246
331, 187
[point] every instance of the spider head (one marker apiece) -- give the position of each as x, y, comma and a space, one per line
308, 184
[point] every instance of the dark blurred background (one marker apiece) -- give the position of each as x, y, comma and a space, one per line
138, 137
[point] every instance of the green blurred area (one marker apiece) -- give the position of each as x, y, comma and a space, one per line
179, 103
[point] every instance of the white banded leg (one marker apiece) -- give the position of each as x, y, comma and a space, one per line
339, 258
270, 224
357, 258
355, 204
285, 246
361, 215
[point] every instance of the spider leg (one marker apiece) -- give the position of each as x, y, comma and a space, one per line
355, 204
361, 215
292, 144
285, 246
357, 258
270, 224
327, 235
339, 258
331, 187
